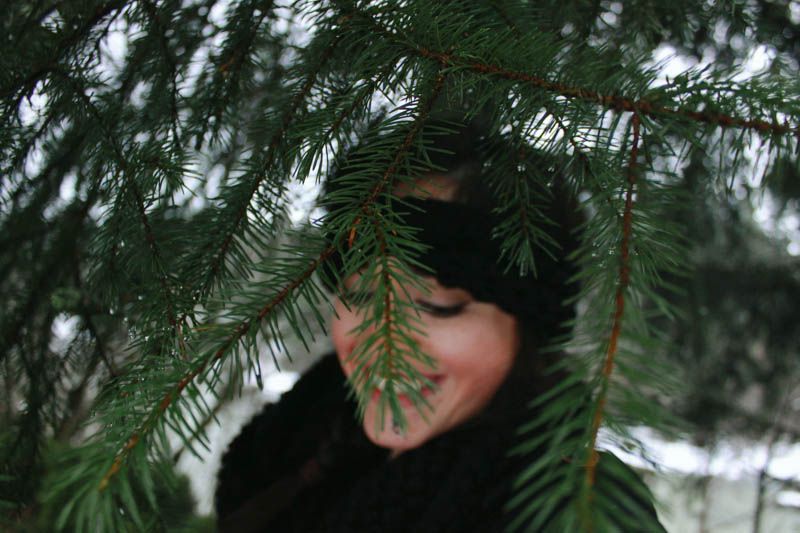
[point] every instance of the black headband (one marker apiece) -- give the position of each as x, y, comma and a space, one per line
462, 253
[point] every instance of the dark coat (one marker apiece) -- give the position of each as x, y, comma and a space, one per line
304, 464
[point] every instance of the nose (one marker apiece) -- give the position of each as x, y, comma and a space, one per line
378, 342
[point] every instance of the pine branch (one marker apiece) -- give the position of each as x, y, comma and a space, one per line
13, 325
388, 176
584, 158
30, 22
619, 299
230, 67
171, 63
389, 309
138, 202
272, 151
518, 182
244, 327
49, 179
223, 262
334, 132
23, 88
210, 417
240, 331
24, 151
86, 312
613, 102
75, 409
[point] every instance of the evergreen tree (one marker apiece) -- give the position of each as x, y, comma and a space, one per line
151, 156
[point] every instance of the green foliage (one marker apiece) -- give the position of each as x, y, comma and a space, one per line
150, 154
136, 494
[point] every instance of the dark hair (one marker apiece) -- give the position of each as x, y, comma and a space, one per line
464, 151
467, 156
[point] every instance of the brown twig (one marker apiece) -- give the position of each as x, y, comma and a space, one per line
614, 102
619, 300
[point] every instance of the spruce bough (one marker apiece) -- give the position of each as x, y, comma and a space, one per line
147, 191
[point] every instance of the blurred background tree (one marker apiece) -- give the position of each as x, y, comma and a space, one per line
159, 156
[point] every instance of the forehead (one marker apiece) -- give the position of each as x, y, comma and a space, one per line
436, 186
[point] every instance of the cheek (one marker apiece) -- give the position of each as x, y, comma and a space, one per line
339, 332
342, 323
478, 349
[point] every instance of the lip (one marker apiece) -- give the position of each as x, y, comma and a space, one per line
427, 392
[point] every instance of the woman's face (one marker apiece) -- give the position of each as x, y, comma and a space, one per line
473, 345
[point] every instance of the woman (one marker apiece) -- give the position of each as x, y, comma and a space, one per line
307, 464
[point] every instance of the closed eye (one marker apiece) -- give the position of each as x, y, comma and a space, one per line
363, 298
441, 311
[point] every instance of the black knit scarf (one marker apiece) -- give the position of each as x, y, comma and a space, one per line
304, 464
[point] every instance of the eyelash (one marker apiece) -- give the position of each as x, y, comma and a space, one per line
361, 298
440, 311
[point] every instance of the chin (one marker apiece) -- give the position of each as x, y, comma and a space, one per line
390, 440
418, 431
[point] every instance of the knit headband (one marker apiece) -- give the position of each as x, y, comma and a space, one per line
462, 253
